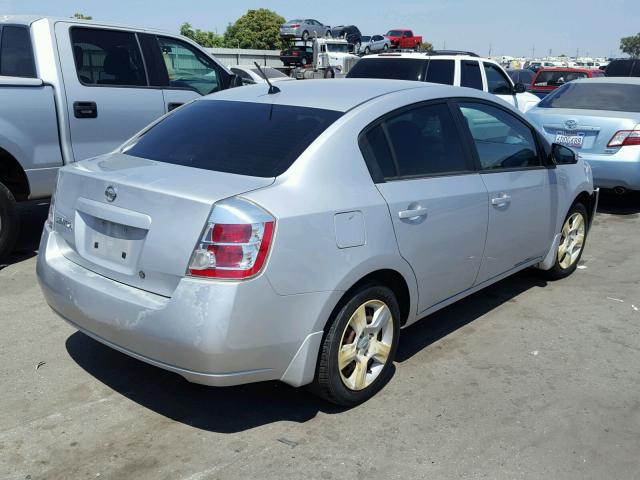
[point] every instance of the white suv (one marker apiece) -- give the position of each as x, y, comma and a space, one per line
461, 69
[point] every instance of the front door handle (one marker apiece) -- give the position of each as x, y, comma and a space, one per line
85, 110
503, 199
412, 213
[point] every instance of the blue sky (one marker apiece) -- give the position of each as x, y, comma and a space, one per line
509, 27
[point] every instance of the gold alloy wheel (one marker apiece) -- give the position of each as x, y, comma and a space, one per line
365, 344
571, 241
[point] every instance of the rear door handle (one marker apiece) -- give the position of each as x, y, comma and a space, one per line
413, 213
173, 106
85, 109
503, 199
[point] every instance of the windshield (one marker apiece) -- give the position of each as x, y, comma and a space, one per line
389, 68
365, 38
244, 138
557, 79
269, 72
394, 33
617, 97
337, 47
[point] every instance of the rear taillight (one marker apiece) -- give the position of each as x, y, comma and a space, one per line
295, 25
624, 138
235, 241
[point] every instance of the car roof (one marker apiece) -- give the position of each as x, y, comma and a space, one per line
29, 19
426, 56
624, 80
336, 94
564, 69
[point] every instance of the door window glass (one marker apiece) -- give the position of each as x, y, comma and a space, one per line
107, 57
470, 74
189, 68
497, 82
502, 141
425, 141
440, 71
16, 56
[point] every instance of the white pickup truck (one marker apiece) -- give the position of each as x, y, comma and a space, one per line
71, 90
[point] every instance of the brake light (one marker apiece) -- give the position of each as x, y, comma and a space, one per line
235, 241
295, 25
625, 138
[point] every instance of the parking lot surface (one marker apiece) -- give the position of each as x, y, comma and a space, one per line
525, 379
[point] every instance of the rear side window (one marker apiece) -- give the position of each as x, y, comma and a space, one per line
16, 55
623, 68
557, 79
424, 141
497, 81
254, 139
440, 71
107, 57
617, 97
470, 74
390, 68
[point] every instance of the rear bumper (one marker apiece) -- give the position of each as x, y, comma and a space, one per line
618, 170
214, 333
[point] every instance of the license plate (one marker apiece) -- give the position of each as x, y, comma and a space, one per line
573, 140
113, 242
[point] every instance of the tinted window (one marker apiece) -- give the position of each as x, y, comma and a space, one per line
189, 68
470, 74
107, 57
391, 68
375, 149
623, 68
440, 71
255, 139
16, 56
502, 141
497, 82
366, 38
556, 78
616, 97
425, 141
269, 72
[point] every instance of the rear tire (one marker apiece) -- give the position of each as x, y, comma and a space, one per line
9, 222
367, 50
363, 339
573, 238
305, 35
386, 47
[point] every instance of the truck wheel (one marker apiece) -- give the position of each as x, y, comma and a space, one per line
328, 34
386, 47
303, 61
329, 73
357, 353
572, 238
9, 222
367, 50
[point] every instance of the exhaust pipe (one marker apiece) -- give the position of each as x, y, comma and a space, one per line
620, 190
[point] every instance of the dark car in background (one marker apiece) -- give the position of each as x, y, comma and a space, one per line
548, 79
297, 55
623, 68
350, 33
522, 75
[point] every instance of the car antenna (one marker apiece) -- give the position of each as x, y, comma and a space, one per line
272, 89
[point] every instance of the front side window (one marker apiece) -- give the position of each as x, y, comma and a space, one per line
243, 138
423, 141
107, 57
497, 82
16, 55
501, 140
440, 71
470, 74
189, 68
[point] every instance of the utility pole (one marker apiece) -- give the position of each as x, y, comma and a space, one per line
533, 52
444, 44
489, 49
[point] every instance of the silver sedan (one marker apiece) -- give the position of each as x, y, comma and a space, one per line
249, 236
305, 29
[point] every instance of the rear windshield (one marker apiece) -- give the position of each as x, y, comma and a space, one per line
623, 68
390, 68
254, 139
557, 79
269, 72
615, 97
394, 33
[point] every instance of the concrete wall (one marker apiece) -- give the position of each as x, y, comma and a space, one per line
242, 56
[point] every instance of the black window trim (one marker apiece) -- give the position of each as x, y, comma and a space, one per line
545, 161
31, 50
376, 171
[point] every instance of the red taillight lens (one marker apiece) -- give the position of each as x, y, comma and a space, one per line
625, 138
233, 250
295, 25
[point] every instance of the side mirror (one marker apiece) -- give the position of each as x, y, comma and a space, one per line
236, 81
563, 155
519, 88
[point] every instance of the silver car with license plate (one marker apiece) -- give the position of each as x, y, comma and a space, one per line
249, 236
599, 118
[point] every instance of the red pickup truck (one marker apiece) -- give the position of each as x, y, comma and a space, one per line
403, 38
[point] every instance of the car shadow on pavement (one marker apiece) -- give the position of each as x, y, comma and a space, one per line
235, 409
616, 204
32, 218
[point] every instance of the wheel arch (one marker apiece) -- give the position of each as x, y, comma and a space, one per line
13, 176
587, 200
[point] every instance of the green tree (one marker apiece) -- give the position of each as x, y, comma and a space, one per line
425, 47
255, 29
201, 37
81, 16
631, 45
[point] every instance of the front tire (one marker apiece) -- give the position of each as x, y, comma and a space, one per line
357, 353
386, 47
9, 222
367, 50
573, 236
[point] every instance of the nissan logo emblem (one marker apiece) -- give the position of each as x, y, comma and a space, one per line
110, 193
571, 124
